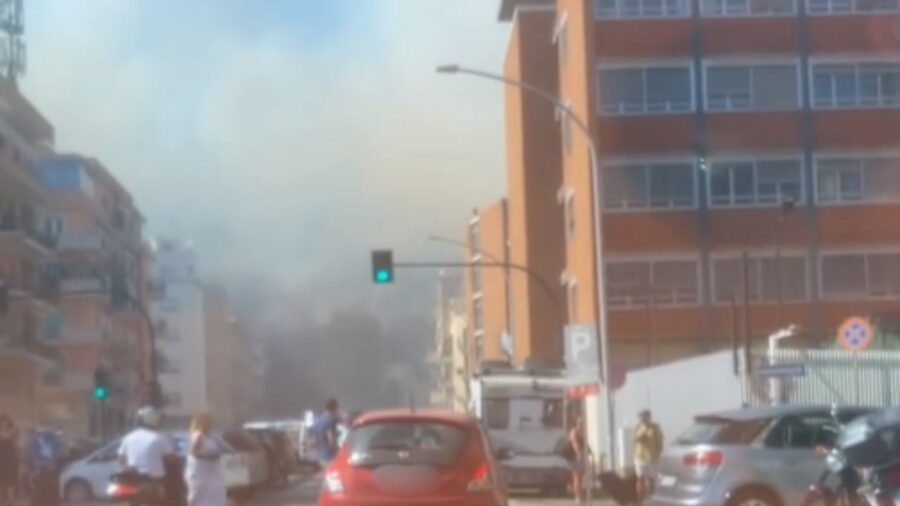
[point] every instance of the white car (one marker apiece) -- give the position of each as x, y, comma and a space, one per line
88, 478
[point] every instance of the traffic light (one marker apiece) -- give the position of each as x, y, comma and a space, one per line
383, 266
101, 384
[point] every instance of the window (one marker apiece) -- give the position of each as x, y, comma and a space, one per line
852, 6
569, 212
751, 87
755, 182
664, 89
474, 238
476, 279
875, 179
840, 85
803, 432
562, 41
854, 275
565, 130
641, 8
573, 301
405, 442
477, 315
766, 278
496, 413
748, 7
660, 282
649, 186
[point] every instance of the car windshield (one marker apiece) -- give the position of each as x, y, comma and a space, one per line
722, 431
407, 442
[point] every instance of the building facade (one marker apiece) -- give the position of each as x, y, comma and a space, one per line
28, 291
726, 129
179, 315
449, 359
100, 271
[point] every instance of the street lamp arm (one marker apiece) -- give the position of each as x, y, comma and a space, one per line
447, 240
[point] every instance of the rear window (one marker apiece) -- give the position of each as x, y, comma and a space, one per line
406, 442
241, 441
710, 431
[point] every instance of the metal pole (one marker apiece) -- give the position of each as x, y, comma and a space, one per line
601, 320
745, 271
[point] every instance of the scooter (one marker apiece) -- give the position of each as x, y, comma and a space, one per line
136, 489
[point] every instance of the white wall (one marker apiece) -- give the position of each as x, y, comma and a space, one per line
675, 393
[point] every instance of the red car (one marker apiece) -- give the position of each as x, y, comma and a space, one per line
421, 458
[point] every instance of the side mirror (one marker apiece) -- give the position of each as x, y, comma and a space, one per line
502, 454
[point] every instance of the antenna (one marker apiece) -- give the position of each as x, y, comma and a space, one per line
12, 46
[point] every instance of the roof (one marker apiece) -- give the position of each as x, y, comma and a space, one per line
384, 415
765, 412
508, 7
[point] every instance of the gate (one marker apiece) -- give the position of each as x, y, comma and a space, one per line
864, 378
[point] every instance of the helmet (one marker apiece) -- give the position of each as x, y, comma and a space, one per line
149, 417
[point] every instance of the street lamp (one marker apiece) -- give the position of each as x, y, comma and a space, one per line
787, 207
601, 319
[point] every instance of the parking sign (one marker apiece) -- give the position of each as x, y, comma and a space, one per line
855, 333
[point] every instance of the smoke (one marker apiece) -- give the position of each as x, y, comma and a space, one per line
286, 141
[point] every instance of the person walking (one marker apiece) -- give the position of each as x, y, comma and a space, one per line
9, 461
327, 436
578, 460
648, 446
206, 486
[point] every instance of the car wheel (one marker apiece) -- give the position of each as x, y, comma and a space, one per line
78, 491
754, 497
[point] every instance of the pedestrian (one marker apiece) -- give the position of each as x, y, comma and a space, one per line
206, 486
326, 433
648, 445
9, 461
578, 459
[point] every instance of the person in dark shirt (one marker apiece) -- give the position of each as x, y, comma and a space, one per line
326, 433
9, 461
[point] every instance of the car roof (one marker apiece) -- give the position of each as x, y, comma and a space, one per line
769, 412
441, 415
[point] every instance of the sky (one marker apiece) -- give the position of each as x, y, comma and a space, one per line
285, 138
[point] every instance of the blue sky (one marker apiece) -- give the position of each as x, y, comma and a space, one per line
285, 140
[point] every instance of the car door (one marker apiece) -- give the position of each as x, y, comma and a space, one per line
100, 467
794, 462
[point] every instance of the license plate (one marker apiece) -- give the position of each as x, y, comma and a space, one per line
666, 481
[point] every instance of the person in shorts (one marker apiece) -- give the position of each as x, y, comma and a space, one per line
648, 445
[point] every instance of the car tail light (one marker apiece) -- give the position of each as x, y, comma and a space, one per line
121, 490
480, 480
891, 478
703, 459
333, 482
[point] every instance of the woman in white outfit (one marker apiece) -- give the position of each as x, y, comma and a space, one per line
206, 487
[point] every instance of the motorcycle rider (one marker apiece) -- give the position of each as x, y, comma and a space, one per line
145, 450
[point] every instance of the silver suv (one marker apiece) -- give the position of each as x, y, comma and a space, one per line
762, 456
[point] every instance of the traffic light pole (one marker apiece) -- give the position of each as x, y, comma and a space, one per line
500, 265
155, 393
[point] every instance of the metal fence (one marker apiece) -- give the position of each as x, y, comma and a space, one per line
865, 378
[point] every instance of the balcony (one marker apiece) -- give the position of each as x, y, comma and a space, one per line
23, 234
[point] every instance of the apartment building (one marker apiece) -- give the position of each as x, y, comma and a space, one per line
27, 244
99, 268
450, 369
725, 128
489, 303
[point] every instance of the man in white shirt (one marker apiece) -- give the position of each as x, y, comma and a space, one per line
145, 448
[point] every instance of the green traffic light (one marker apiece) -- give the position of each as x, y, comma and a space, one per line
382, 276
101, 393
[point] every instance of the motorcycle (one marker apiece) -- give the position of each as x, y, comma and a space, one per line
136, 489
863, 466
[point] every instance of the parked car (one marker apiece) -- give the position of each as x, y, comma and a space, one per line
406, 457
87, 478
280, 453
765, 456
251, 454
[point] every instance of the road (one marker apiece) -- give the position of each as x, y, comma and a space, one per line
304, 492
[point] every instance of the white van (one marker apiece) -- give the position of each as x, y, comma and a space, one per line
524, 414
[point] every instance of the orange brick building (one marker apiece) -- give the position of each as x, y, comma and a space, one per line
723, 128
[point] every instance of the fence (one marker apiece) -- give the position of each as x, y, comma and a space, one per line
865, 378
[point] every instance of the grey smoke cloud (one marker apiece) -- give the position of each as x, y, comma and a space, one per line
280, 147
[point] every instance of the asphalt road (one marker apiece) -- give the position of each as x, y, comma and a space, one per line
303, 492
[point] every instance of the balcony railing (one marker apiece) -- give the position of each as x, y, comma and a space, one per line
11, 223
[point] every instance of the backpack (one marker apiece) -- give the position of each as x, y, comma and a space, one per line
564, 449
